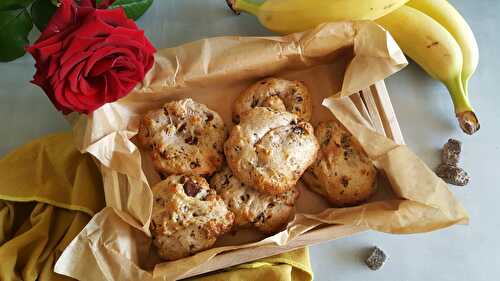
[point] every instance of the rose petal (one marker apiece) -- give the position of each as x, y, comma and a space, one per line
74, 77
77, 45
100, 54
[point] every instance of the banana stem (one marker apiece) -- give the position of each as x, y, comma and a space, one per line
465, 113
243, 5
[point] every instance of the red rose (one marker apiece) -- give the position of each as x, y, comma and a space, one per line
87, 57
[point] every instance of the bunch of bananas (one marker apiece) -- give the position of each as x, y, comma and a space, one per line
431, 32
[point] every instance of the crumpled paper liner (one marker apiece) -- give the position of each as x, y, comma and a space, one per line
334, 60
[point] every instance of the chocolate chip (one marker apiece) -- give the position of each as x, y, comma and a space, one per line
263, 82
346, 155
328, 137
254, 103
270, 205
293, 122
194, 164
299, 99
298, 130
344, 180
191, 188
181, 127
236, 119
226, 179
345, 141
182, 179
261, 217
191, 140
210, 117
245, 197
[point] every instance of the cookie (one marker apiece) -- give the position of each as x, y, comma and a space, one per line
342, 173
279, 94
269, 150
267, 212
187, 216
185, 137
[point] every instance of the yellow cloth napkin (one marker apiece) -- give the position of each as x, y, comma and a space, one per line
48, 193
291, 266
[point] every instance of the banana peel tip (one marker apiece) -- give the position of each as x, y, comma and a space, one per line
468, 122
231, 5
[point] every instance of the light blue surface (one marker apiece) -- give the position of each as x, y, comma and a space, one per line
425, 114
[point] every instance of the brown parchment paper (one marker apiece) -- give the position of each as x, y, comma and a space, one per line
334, 60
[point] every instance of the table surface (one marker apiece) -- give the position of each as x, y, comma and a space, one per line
425, 114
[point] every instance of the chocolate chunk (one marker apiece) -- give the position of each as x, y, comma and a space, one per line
191, 188
376, 259
344, 180
210, 117
261, 217
298, 130
226, 179
254, 103
194, 164
183, 179
181, 127
191, 140
244, 198
451, 152
453, 175
345, 141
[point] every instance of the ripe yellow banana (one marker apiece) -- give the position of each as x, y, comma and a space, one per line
298, 15
444, 13
430, 45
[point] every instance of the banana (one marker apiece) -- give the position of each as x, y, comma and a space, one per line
430, 45
298, 15
444, 13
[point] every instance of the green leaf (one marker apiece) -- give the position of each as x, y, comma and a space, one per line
14, 29
14, 4
133, 8
55, 2
41, 12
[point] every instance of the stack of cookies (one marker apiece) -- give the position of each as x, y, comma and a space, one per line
269, 149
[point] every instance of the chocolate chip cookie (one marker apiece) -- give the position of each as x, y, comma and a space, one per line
269, 150
342, 173
185, 137
279, 94
187, 216
267, 212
